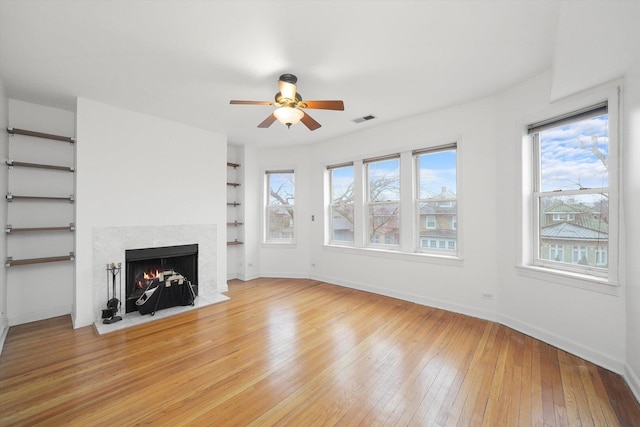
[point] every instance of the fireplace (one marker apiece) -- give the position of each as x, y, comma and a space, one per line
143, 265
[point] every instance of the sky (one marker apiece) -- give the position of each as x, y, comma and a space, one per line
437, 170
568, 165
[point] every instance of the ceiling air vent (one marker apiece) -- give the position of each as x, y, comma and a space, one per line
364, 119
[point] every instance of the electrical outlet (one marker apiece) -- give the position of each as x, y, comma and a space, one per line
487, 296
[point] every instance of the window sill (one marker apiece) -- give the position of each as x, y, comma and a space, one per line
397, 255
576, 280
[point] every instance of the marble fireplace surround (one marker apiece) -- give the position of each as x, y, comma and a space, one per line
110, 243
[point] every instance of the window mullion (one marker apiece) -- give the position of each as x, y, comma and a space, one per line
407, 204
359, 207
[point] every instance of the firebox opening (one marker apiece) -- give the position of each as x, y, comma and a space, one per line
144, 265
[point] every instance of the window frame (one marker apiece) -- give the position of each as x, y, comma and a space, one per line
538, 194
443, 244
409, 247
332, 205
368, 204
267, 209
579, 278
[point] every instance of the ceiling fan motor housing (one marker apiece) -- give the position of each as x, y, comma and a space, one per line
289, 78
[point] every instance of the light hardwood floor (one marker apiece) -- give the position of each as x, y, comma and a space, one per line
302, 352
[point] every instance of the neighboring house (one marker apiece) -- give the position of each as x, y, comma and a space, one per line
342, 227
574, 233
385, 225
439, 222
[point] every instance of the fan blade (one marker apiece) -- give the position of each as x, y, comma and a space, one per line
325, 105
250, 102
268, 121
309, 122
287, 90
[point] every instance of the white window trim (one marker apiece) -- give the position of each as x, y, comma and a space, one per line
329, 214
277, 243
580, 279
367, 204
409, 244
438, 250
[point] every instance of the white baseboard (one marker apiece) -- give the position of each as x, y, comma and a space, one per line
4, 330
247, 277
34, 316
285, 275
430, 302
633, 380
565, 344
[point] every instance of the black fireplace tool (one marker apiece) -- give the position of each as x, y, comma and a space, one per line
113, 304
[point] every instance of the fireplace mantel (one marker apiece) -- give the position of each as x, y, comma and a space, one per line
110, 243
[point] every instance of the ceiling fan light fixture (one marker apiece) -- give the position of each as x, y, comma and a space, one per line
288, 116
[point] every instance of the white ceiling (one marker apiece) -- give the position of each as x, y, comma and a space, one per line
184, 60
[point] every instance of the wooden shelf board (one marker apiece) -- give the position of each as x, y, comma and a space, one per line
14, 197
39, 166
14, 131
35, 229
29, 261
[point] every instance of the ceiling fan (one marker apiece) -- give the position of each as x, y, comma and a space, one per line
290, 105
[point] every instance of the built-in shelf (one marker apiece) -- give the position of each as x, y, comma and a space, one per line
235, 223
15, 262
14, 131
10, 230
42, 213
13, 163
12, 197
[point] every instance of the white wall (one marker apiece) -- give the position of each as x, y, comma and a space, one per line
631, 159
277, 260
138, 170
587, 323
454, 286
40, 291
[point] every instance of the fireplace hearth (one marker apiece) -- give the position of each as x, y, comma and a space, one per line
145, 265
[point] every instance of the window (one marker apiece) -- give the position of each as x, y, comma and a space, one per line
601, 256
579, 255
571, 190
556, 252
371, 205
341, 208
280, 202
436, 199
383, 201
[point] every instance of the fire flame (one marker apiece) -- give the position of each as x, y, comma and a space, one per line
151, 275
147, 277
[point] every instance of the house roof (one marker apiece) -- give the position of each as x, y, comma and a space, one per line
570, 231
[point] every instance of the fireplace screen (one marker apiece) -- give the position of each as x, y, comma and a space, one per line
143, 266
